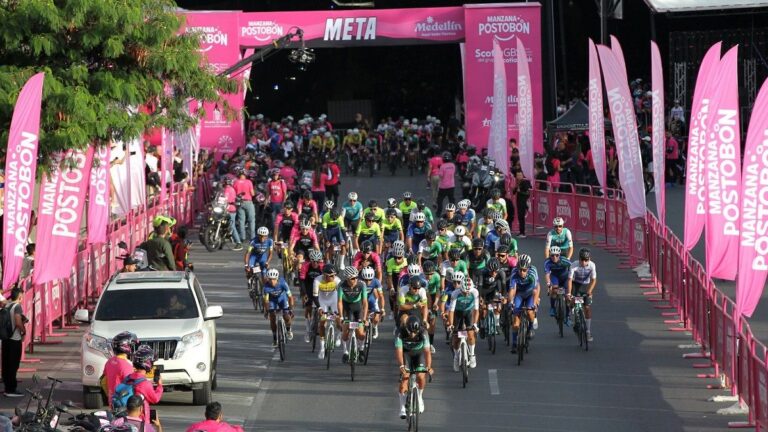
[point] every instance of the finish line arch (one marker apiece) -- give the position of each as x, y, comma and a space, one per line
226, 37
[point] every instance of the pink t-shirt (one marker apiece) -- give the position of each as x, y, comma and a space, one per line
231, 195
151, 394
277, 190
245, 187
554, 177
289, 175
673, 149
213, 426
115, 370
321, 185
447, 172
434, 165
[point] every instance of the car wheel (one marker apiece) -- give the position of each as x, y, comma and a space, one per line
203, 395
92, 399
215, 374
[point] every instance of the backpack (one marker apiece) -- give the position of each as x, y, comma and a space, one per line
123, 392
6, 322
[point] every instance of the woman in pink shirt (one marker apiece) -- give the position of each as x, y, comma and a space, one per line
318, 184
119, 366
447, 172
433, 174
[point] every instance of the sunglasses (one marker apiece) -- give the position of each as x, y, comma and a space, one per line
555, 255
352, 278
558, 226
501, 255
477, 249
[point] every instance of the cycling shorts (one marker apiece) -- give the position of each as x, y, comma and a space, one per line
559, 280
335, 235
521, 301
281, 302
413, 312
353, 311
581, 290
306, 290
329, 302
373, 304
298, 249
392, 236
261, 260
414, 361
373, 238
351, 224
462, 319
284, 235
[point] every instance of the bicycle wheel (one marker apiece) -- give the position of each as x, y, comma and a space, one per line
281, 338
581, 332
504, 323
464, 365
313, 329
491, 332
522, 334
368, 342
415, 410
352, 354
559, 314
329, 340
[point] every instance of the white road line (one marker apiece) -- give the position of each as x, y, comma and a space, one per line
493, 380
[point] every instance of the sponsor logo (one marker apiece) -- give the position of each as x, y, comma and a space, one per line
584, 214
20, 180
209, 36
262, 30
432, 27
543, 209
723, 170
563, 208
347, 29
754, 231
638, 235
509, 55
504, 27
600, 214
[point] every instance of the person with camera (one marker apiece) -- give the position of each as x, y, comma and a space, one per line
119, 366
150, 390
214, 421
134, 417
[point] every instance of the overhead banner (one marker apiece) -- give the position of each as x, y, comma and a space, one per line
505, 23
220, 45
658, 136
20, 171
596, 117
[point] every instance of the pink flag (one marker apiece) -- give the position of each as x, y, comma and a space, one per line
657, 120
723, 172
624, 132
20, 170
497, 139
98, 197
596, 119
62, 197
695, 187
753, 250
524, 110
619, 53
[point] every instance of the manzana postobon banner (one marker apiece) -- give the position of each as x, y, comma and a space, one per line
20, 172
60, 210
596, 118
695, 180
657, 122
525, 112
99, 196
497, 140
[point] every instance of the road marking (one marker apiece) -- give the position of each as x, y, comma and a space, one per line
493, 380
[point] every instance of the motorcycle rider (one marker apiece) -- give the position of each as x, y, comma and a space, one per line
231, 194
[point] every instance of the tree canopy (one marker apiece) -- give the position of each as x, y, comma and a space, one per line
102, 59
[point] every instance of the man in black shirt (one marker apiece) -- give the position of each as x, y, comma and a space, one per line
522, 192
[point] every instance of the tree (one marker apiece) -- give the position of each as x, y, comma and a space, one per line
102, 59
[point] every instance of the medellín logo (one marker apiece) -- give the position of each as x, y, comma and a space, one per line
504, 27
262, 30
210, 36
432, 27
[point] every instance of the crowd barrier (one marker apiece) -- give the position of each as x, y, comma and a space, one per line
50, 306
680, 287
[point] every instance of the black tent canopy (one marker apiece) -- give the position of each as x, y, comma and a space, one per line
575, 119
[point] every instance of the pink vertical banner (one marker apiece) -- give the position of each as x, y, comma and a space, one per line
20, 171
498, 150
61, 209
596, 118
695, 183
161, 165
657, 138
625, 133
247, 71
525, 112
723, 178
506, 23
753, 247
98, 196
619, 54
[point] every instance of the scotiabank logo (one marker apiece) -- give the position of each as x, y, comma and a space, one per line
209, 36
432, 27
262, 30
504, 27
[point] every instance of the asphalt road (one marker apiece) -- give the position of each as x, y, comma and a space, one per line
632, 379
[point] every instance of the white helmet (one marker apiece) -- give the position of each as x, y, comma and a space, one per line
327, 134
460, 230
450, 207
420, 217
328, 204
273, 274
414, 270
368, 273
350, 131
554, 250
464, 204
352, 196
350, 272
305, 223
355, 131
398, 249
262, 231
558, 221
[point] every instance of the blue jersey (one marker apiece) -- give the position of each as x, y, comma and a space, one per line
259, 248
276, 291
352, 211
524, 286
406, 279
415, 231
560, 269
375, 284
491, 240
467, 218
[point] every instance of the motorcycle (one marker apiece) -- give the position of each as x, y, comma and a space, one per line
217, 226
484, 180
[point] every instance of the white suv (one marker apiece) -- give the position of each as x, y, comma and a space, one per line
168, 311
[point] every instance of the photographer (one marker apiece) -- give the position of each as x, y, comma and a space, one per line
134, 415
151, 393
214, 421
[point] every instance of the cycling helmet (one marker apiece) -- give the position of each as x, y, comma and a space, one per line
124, 343
496, 193
558, 221
273, 172
454, 254
414, 282
471, 150
328, 204
335, 213
413, 324
350, 273
407, 195
523, 262
421, 204
460, 230
307, 195
496, 215
273, 274
554, 250
329, 270
464, 204
391, 202
450, 207
449, 273
304, 223
428, 266
367, 246
585, 254
458, 277
373, 203
227, 181
430, 235
288, 205
502, 249
414, 270
447, 156
420, 217
398, 250
391, 212
369, 216
167, 219
477, 243
493, 264
262, 231
499, 223
144, 358
352, 196
368, 273
488, 213
315, 255
442, 224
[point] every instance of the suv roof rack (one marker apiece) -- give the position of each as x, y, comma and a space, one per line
151, 276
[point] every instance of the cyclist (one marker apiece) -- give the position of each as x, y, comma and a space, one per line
507, 260
523, 289
501, 227
450, 216
366, 257
412, 299
445, 236
407, 206
430, 248
507, 240
413, 355
285, 223
302, 240
477, 258
333, 224
416, 232
259, 252
463, 315
329, 142
369, 231
324, 288
394, 265
486, 224
277, 295
434, 288
375, 298
454, 263
462, 242
307, 275
392, 205
353, 306
466, 214
421, 206
353, 211
393, 229
561, 237
497, 203
491, 287
582, 281
373, 208
308, 207
557, 270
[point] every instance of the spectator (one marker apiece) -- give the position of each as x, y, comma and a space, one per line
522, 193
213, 421
433, 174
332, 182
288, 173
318, 184
29, 262
671, 155
677, 112
143, 362
229, 192
135, 414
159, 251
244, 188
12, 348
129, 265
180, 247
119, 365
278, 192
447, 173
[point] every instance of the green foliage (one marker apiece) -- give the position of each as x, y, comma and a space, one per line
100, 58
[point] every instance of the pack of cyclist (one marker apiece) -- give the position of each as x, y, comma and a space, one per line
430, 270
